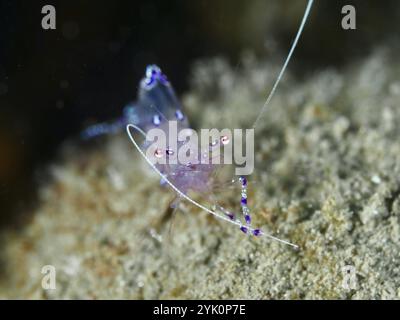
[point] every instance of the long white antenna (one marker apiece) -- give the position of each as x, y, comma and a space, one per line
299, 32
183, 195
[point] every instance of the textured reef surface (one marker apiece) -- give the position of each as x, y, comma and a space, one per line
327, 178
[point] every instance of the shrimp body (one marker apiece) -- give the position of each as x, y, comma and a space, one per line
182, 176
157, 106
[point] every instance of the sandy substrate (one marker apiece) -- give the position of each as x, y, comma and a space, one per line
327, 178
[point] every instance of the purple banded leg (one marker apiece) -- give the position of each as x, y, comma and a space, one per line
244, 229
247, 229
227, 213
246, 211
243, 201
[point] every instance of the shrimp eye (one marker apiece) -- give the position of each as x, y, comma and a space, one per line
225, 140
158, 153
169, 152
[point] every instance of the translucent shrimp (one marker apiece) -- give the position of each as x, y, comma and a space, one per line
156, 107
184, 177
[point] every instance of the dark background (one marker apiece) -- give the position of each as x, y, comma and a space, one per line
54, 82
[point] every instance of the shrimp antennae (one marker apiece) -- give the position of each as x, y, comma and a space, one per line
278, 79
138, 129
183, 195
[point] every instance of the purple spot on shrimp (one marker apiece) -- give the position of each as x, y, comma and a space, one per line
153, 73
257, 232
247, 218
230, 216
244, 229
244, 181
243, 201
149, 81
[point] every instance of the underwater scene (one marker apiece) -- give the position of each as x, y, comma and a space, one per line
200, 150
